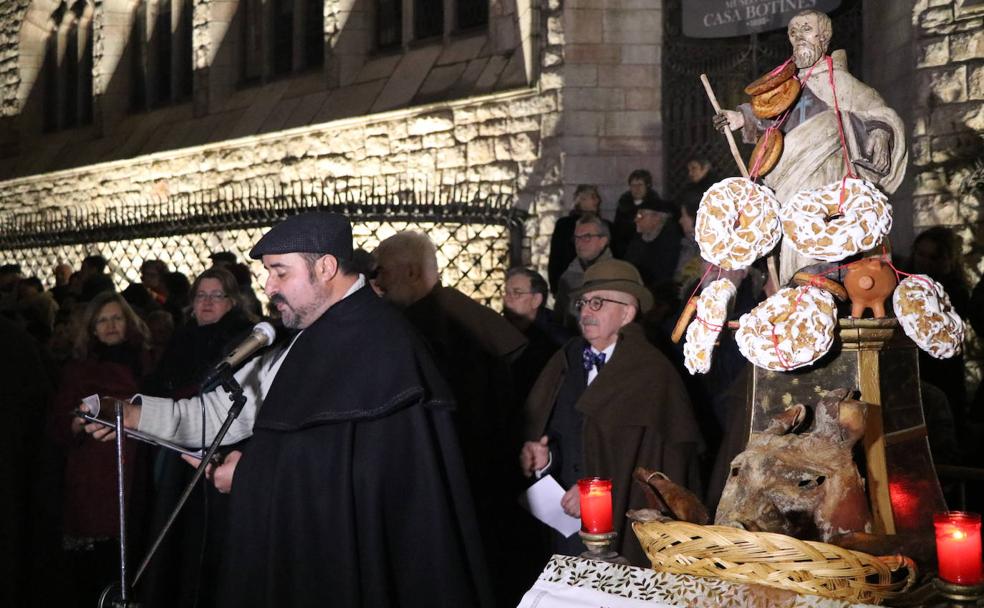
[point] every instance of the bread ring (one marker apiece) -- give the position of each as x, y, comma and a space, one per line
684, 320
769, 146
773, 103
927, 317
737, 223
791, 329
772, 79
821, 227
818, 280
712, 313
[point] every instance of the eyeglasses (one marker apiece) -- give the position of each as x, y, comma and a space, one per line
212, 297
585, 237
594, 303
515, 293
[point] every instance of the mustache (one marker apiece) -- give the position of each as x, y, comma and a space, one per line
588, 322
275, 298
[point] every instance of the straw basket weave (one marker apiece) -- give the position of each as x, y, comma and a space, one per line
775, 560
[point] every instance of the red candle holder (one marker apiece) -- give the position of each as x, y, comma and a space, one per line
596, 505
958, 547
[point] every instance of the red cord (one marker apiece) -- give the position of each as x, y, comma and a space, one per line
781, 66
840, 121
708, 324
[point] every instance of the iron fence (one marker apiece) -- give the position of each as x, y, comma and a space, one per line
476, 228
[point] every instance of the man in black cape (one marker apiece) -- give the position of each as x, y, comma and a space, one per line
351, 491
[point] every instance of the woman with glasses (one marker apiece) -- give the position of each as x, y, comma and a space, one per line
187, 558
110, 356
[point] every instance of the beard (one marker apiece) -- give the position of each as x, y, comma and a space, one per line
806, 54
290, 318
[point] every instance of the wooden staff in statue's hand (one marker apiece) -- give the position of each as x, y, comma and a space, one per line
727, 133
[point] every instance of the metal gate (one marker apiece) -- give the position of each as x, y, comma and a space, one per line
475, 227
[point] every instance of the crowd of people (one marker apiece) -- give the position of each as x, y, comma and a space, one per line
390, 429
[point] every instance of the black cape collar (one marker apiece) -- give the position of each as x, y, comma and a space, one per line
359, 360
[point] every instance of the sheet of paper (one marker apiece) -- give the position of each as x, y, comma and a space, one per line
92, 402
542, 499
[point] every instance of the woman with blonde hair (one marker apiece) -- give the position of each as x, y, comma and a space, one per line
110, 355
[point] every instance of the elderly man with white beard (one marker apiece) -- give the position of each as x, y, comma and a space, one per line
812, 155
608, 402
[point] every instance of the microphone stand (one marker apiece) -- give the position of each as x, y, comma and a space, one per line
123, 601
238, 400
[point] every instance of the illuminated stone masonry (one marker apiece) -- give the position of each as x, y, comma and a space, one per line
948, 127
488, 145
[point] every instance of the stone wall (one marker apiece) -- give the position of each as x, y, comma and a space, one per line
948, 121
495, 139
607, 56
592, 113
947, 147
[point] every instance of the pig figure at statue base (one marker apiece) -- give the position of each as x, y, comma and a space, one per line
802, 485
869, 283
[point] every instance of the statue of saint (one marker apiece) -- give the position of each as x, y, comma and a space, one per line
812, 154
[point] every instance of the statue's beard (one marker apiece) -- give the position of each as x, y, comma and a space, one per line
806, 54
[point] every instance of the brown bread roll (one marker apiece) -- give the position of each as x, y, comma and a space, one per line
769, 81
774, 102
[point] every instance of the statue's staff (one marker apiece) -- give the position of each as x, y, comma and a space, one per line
727, 132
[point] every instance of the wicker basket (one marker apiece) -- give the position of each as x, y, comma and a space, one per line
775, 560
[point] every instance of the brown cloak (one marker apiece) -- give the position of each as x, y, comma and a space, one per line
636, 413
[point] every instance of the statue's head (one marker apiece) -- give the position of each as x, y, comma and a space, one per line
809, 35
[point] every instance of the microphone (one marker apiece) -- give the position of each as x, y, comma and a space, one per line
262, 335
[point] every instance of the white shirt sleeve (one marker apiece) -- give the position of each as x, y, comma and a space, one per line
180, 421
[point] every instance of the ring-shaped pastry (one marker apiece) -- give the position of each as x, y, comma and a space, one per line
791, 329
927, 317
737, 223
819, 226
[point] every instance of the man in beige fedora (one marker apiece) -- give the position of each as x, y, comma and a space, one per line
608, 402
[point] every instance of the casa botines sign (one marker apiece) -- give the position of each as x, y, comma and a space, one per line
727, 18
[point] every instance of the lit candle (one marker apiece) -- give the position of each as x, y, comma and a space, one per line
958, 547
596, 505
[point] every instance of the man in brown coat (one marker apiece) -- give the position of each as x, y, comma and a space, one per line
609, 402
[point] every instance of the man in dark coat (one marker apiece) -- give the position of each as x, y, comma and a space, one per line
700, 177
23, 392
587, 203
640, 191
524, 298
351, 490
474, 348
655, 248
607, 403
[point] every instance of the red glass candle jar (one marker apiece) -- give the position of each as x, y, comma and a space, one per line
958, 547
596, 505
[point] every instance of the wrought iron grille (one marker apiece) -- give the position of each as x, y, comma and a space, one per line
730, 64
477, 230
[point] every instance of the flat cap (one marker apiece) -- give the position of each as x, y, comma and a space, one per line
314, 232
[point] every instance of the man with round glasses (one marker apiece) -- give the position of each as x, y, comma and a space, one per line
609, 402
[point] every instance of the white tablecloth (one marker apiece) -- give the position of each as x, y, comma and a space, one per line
572, 582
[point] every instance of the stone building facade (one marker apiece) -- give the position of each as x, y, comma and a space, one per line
535, 96
948, 122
